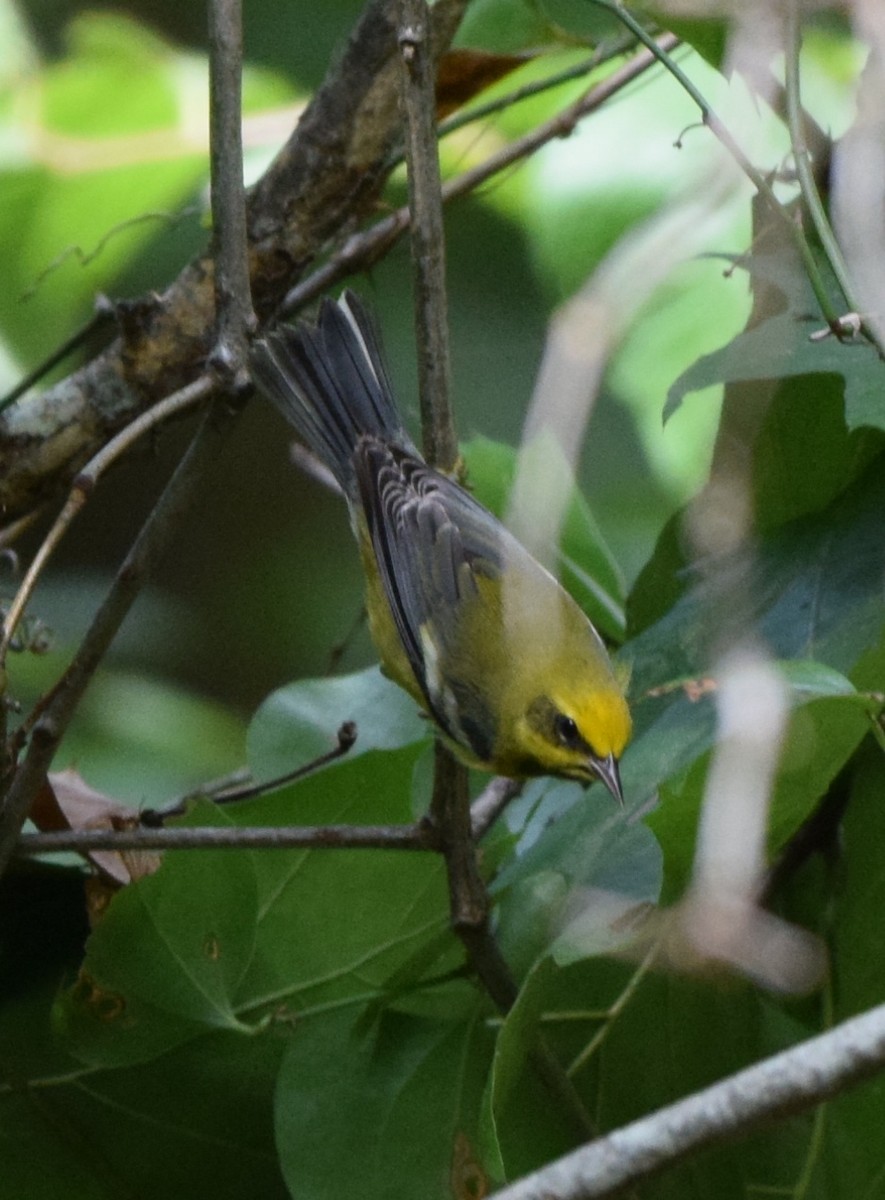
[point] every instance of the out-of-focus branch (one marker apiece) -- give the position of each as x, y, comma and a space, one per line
326, 178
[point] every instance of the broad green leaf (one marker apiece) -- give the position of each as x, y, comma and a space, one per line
850, 1159
337, 924
299, 722
813, 680
198, 1121
804, 456
502, 26
822, 736
857, 962
523, 1126
167, 958
812, 591
385, 1110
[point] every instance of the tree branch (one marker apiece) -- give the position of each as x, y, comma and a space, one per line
234, 317
326, 178
137, 567
419, 836
780, 1086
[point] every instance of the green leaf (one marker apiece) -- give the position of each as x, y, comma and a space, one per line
672, 1037
299, 722
812, 590
564, 859
167, 958
339, 924
386, 1111
781, 346
503, 26
198, 1121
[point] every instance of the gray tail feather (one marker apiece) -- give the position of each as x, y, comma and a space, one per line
330, 382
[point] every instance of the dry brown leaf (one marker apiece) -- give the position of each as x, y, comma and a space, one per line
67, 802
463, 74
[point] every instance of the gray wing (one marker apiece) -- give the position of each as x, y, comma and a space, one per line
431, 541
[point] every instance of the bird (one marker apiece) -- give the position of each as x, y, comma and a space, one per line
488, 643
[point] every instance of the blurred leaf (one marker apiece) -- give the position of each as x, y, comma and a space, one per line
503, 26
590, 848
812, 679
144, 740
781, 346
708, 37
101, 149
578, 19
388, 1111
821, 738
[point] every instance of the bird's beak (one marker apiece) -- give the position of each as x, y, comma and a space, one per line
606, 769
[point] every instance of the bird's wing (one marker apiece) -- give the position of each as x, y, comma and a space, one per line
432, 541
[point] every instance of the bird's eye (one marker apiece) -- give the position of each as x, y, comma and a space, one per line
566, 730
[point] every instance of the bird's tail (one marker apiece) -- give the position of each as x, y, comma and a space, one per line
330, 382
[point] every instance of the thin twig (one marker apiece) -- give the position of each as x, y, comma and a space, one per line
780, 1086
103, 315
56, 710
234, 794
805, 174
450, 812
427, 236
363, 249
604, 53
234, 317
450, 802
84, 486
721, 132
420, 836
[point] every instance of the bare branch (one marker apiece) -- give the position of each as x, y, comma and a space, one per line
137, 567
428, 247
326, 178
214, 837
83, 488
233, 302
364, 249
780, 1086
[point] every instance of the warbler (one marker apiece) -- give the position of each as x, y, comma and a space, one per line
488, 643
